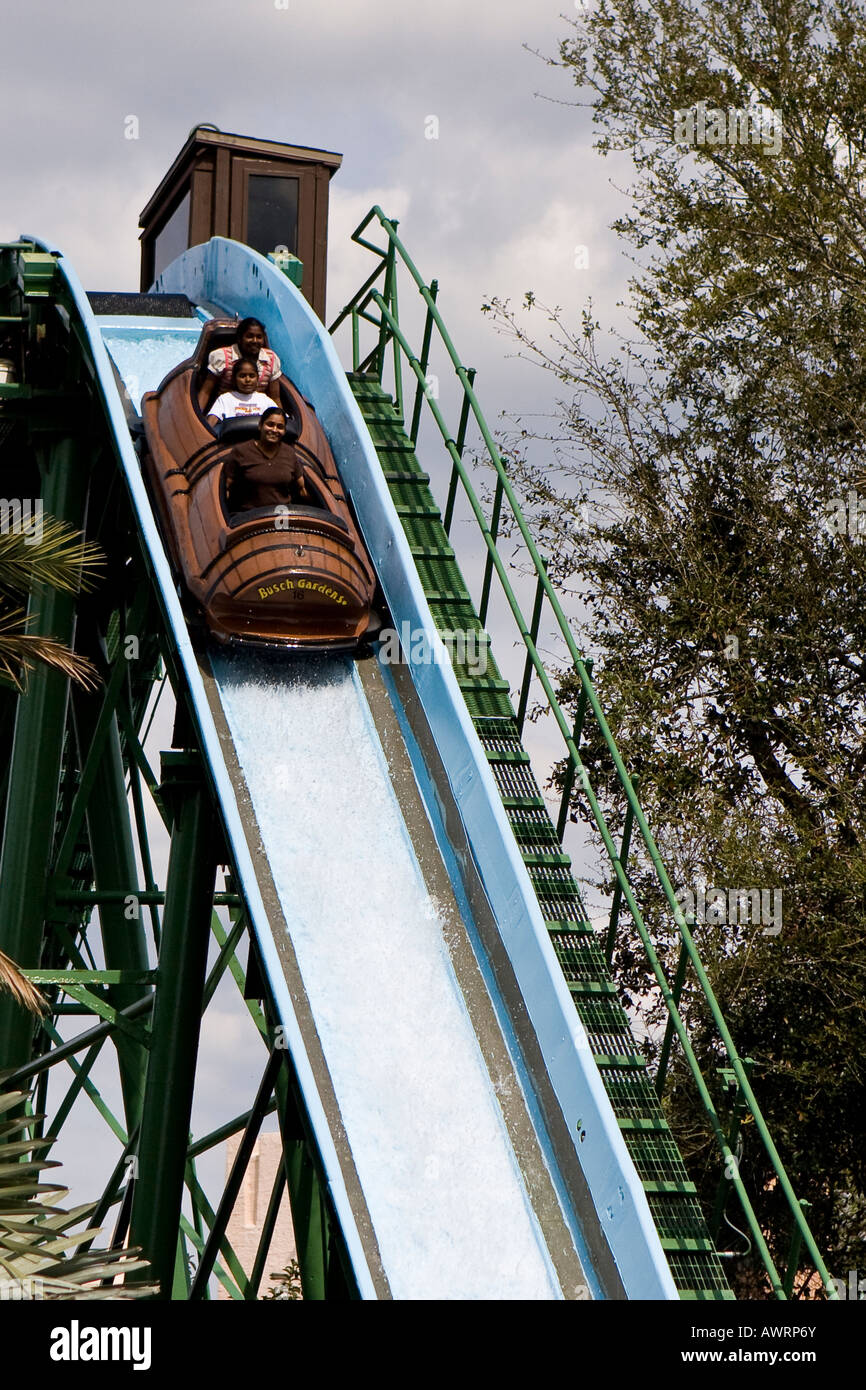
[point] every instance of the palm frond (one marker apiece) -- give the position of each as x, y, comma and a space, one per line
20, 651
22, 991
53, 555
36, 1247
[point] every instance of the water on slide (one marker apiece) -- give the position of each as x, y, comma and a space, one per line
441, 1180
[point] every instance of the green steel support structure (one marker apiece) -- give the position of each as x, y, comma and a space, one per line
114, 869
120, 950
162, 1151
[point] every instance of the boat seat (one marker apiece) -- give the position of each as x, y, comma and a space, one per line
242, 427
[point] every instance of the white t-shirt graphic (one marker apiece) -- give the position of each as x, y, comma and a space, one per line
233, 403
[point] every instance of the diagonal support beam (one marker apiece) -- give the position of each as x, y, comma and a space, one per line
236, 1177
168, 1094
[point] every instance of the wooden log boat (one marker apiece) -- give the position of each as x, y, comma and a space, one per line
291, 576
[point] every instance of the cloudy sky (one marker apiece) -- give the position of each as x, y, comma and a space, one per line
510, 196
495, 205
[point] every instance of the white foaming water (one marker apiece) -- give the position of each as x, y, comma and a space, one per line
441, 1181
145, 358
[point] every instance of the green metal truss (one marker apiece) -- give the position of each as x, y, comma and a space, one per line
120, 947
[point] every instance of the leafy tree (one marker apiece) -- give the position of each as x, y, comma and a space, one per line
708, 495
286, 1286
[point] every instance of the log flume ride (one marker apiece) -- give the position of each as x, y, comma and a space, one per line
291, 576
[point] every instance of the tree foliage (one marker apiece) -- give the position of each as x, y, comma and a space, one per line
708, 492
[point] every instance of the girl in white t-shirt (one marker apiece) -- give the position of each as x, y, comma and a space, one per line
244, 398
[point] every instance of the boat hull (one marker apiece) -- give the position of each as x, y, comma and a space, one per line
294, 577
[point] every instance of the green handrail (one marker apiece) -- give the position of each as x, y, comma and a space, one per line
388, 326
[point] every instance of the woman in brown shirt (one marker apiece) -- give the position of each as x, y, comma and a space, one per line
264, 472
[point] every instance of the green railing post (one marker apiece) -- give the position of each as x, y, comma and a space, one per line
534, 625
794, 1249
732, 1165
459, 446
667, 1041
424, 361
617, 892
568, 781
488, 563
398, 368
387, 296
356, 341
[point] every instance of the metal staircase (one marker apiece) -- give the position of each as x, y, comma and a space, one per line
694, 1263
393, 412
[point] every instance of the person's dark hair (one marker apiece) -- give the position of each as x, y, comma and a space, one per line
248, 323
244, 362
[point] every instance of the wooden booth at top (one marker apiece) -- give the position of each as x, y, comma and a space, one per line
260, 192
